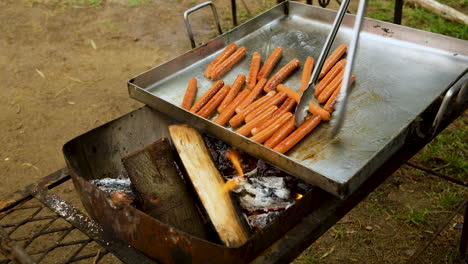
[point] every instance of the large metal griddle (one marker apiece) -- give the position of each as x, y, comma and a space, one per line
400, 72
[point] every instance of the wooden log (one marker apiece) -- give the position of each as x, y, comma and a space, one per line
442, 10
164, 193
208, 183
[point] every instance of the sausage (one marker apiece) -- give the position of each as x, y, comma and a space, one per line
317, 110
235, 88
252, 96
266, 133
245, 129
329, 77
230, 109
306, 73
207, 96
190, 94
285, 107
331, 87
221, 57
275, 100
254, 68
332, 59
240, 117
281, 75
298, 134
208, 109
281, 133
329, 106
227, 64
270, 63
290, 92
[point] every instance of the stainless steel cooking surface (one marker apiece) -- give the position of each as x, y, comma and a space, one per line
400, 72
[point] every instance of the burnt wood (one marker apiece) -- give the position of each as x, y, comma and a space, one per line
164, 193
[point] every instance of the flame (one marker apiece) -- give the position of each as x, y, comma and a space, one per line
298, 196
234, 182
231, 184
234, 158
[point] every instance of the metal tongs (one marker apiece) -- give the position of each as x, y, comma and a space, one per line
301, 109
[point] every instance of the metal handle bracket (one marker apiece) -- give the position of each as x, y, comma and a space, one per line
456, 97
188, 26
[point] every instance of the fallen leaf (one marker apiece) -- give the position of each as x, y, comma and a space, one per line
71, 102
328, 253
40, 73
30, 165
7, 158
93, 44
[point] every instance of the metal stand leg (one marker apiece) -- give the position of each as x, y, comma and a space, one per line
464, 236
398, 12
234, 12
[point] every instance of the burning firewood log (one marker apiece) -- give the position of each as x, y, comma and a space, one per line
164, 193
208, 183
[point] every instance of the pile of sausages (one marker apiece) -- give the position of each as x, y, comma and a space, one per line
263, 110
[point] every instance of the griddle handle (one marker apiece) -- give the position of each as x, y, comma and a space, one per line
458, 88
188, 26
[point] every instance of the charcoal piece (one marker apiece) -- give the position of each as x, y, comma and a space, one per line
164, 193
259, 221
110, 185
264, 194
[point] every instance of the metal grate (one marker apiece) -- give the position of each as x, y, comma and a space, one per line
37, 226
47, 238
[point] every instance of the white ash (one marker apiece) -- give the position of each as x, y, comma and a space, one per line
112, 185
259, 221
264, 193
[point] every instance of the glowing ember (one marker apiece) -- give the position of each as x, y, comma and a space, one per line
234, 182
297, 196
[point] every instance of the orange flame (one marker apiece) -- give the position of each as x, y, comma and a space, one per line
234, 158
298, 196
234, 182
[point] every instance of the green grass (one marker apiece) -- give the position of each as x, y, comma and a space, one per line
451, 198
420, 18
339, 231
448, 152
415, 217
133, 3
81, 3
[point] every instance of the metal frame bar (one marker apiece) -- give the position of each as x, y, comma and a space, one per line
188, 26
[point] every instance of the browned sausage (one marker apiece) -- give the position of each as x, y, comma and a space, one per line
270, 63
332, 59
235, 88
254, 68
281, 75
227, 64
298, 134
207, 96
190, 94
230, 49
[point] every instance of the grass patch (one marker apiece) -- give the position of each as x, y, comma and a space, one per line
447, 153
134, 3
451, 198
339, 232
415, 217
420, 18
81, 3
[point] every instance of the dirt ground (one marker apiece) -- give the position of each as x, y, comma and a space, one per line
64, 70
